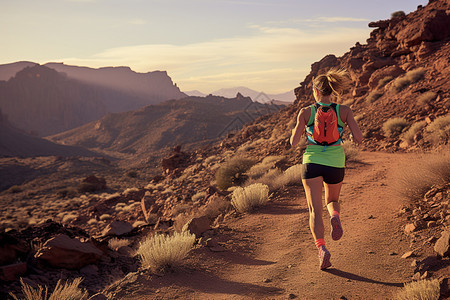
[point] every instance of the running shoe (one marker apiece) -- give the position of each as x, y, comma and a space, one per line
336, 228
324, 258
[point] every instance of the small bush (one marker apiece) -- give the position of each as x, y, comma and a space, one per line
398, 14
394, 126
199, 196
420, 290
373, 96
439, 130
87, 187
426, 98
115, 243
384, 81
162, 251
232, 172
267, 163
414, 179
408, 136
66, 291
409, 78
245, 199
351, 152
15, 189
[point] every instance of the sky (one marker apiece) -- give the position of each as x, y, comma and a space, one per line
204, 45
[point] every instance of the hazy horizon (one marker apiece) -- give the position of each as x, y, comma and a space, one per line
203, 45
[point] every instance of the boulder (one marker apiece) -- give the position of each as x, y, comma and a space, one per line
12, 272
442, 244
11, 249
198, 225
409, 228
62, 251
117, 228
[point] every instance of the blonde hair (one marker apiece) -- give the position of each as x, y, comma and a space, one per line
335, 81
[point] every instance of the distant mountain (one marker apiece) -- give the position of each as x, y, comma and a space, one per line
41, 100
8, 71
188, 121
261, 97
14, 142
195, 93
156, 86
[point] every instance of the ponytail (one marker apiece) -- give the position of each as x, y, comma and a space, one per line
335, 81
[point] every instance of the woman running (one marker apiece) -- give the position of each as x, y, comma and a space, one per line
324, 164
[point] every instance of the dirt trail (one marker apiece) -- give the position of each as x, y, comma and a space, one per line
271, 254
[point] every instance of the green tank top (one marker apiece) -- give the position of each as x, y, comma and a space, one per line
332, 156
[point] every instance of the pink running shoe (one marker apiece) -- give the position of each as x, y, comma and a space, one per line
324, 257
336, 228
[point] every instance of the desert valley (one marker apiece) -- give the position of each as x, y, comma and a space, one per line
93, 162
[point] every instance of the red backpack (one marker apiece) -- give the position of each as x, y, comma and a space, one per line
325, 130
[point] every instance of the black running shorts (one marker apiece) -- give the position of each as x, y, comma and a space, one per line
331, 175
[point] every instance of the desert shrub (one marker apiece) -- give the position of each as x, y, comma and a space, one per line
398, 14
66, 291
116, 243
426, 98
416, 178
292, 175
420, 290
15, 189
351, 152
245, 199
394, 126
439, 130
163, 251
408, 136
409, 78
270, 178
87, 187
267, 163
384, 81
373, 96
232, 172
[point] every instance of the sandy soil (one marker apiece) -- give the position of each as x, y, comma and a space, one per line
270, 254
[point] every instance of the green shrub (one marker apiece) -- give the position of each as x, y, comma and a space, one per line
245, 199
398, 14
233, 172
420, 290
394, 126
414, 179
426, 98
408, 136
439, 130
163, 251
408, 79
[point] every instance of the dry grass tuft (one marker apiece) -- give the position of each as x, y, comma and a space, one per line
246, 199
415, 179
163, 251
373, 96
408, 136
394, 126
420, 290
439, 130
66, 291
426, 98
408, 79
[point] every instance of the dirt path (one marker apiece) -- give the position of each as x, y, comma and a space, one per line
271, 254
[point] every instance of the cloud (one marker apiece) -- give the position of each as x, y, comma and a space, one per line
272, 59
